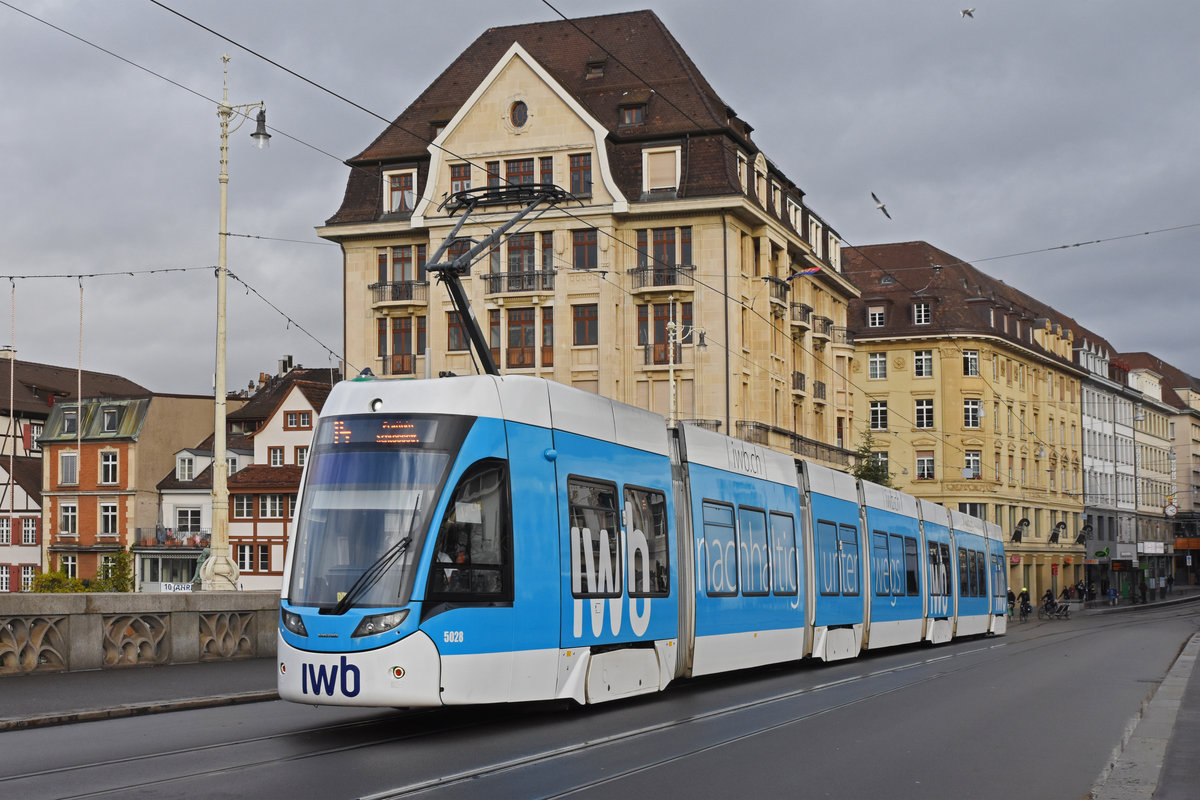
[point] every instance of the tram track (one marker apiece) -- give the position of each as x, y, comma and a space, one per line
247, 754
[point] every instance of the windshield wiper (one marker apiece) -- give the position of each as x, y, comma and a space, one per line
379, 567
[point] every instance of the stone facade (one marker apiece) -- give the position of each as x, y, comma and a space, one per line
679, 219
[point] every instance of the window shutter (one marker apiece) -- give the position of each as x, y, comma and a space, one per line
660, 170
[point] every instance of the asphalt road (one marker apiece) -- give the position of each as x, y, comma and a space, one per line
1035, 714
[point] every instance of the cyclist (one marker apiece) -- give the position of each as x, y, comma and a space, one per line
1023, 600
1012, 602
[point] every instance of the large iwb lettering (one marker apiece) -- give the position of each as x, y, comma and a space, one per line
639, 548
592, 573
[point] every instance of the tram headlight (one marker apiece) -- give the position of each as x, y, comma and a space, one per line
379, 623
293, 622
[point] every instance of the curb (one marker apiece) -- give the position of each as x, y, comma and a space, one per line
135, 710
1135, 769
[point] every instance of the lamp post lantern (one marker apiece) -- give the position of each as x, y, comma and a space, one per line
219, 572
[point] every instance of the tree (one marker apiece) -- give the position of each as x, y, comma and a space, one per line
56, 583
866, 466
116, 574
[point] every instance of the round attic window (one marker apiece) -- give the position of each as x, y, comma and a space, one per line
518, 114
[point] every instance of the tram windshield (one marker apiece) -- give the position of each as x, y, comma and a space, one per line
372, 482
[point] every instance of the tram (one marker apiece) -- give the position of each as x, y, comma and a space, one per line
493, 539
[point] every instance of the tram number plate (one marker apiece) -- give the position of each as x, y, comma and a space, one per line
451, 637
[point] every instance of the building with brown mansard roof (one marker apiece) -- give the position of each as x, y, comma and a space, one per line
970, 392
681, 218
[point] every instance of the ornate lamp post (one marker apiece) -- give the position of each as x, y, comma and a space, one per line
219, 572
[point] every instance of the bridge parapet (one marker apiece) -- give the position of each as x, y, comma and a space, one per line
73, 632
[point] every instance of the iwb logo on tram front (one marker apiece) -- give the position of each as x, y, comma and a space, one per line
326, 679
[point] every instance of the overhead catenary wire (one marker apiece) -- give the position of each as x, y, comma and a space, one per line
768, 371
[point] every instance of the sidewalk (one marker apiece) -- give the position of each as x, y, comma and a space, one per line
32, 701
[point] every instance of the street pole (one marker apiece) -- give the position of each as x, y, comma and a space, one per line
219, 572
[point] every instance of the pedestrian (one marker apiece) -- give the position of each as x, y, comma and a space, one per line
1170, 583
1142, 590
1112, 595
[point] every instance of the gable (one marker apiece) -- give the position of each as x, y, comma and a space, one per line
483, 130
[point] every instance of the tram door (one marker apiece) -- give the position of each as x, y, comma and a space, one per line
617, 597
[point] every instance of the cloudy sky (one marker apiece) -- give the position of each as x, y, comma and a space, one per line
1031, 126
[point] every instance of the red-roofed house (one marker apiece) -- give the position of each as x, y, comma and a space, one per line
262, 497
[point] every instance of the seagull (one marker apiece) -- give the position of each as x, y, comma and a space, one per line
879, 204
968, 12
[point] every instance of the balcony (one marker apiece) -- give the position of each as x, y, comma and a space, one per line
762, 433
778, 291
659, 354
663, 278
819, 391
401, 364
822, 328
798, 387
713, 425
399, 293
173, 537
528, 282
801, 318
843, 337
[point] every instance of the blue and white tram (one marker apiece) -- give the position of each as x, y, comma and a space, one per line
495, 539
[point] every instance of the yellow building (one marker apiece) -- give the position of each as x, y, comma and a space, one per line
673, 283
970, 394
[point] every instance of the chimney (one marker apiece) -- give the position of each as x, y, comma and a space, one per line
285, 365
8, 351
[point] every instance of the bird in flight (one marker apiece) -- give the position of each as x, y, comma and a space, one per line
879, 204
968, 12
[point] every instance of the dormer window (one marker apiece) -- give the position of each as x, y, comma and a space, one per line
594, 69
185, 468
921, 313
400, 191
70, 421
109, 418
660, 170
633, 115
438, 127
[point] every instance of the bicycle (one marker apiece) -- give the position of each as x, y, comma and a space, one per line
1025, 609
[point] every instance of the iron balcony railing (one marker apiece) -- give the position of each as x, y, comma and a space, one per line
801, 314
400, 292
819, 390
843, 336
713, 425
797, 381
662, 276
529, 281
660, 354
822, 326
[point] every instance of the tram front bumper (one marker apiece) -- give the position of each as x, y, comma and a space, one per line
403, 674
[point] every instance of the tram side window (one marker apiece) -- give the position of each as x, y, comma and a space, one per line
754, 556
649, 565
964, 574
999, 588
783, 555
911, 567
897, 548
883, 564
981, 572
939, 581
720, 550
976, 584
473, 556
595, 538
848, 545
827, 557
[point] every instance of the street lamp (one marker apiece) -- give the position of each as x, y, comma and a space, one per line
219, 572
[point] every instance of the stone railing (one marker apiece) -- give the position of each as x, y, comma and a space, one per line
72, 632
